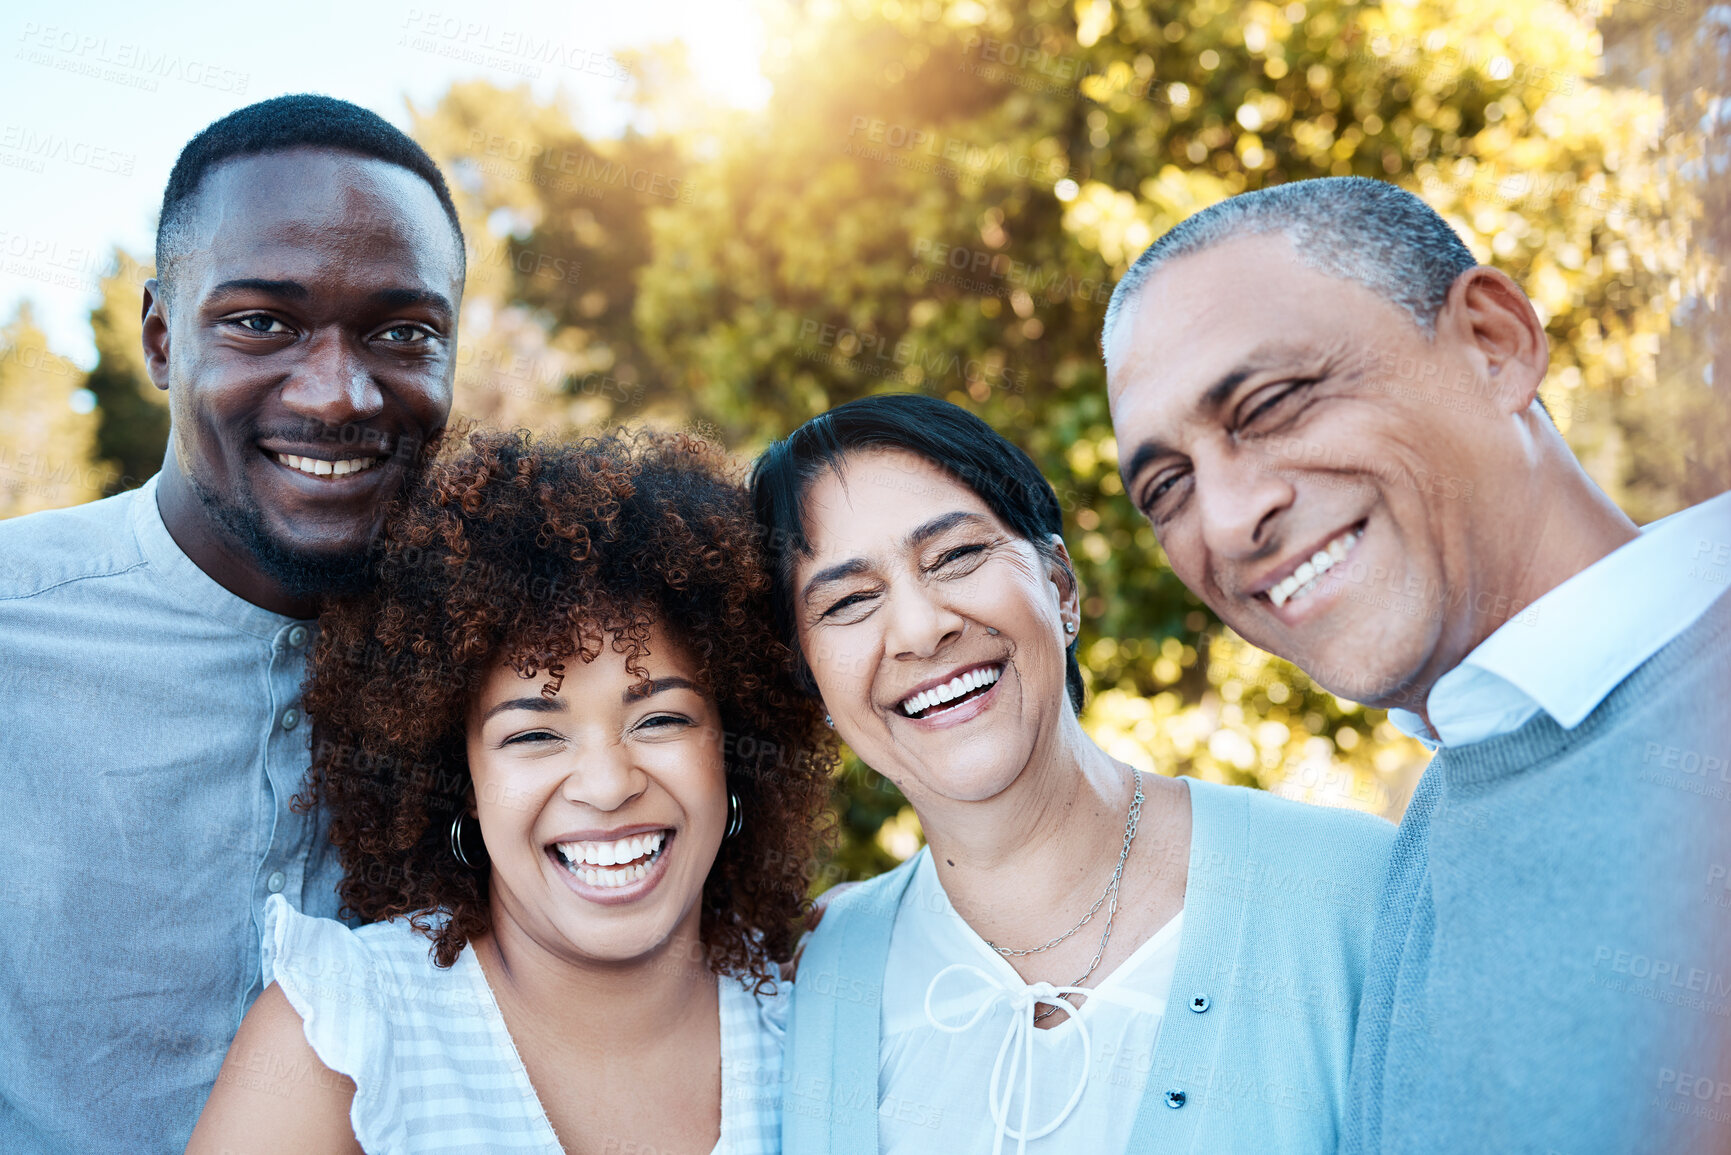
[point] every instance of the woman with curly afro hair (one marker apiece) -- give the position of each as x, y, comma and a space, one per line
576, 788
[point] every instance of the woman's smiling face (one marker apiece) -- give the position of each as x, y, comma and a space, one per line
602, 800
934, 633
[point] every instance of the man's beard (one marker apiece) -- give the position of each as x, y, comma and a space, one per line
302, 574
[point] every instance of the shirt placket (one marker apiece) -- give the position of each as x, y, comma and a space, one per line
284, 833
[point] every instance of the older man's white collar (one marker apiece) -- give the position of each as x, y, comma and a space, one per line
1570, 648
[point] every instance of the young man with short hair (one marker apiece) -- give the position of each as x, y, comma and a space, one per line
304, 324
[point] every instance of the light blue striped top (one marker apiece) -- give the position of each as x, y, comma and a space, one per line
433, 1064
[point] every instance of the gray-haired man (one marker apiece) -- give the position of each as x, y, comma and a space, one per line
1329, 411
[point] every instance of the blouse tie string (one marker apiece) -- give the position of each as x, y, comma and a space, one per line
1018, 1042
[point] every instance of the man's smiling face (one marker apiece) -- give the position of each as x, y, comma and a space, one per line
1320, 503
308, 347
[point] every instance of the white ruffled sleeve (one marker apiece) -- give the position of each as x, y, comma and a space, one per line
772, 1008
333, 984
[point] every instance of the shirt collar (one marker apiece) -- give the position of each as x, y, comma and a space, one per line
1571, 647
197, 589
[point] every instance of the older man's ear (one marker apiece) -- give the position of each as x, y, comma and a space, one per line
1499, 333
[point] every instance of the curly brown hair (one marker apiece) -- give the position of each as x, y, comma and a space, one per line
509, 549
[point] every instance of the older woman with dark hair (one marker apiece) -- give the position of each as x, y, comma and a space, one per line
573, 780
1083, 958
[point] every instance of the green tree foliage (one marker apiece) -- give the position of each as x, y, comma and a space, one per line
939, 197
1678, 427
940, 190
558, 234
132, 414
48, 440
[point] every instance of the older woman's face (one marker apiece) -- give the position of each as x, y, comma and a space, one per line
602, 801
935, 633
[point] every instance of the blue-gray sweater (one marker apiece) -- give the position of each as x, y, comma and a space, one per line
1277, 918
1553, 953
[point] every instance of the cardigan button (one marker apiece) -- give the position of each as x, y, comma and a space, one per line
1199, 1003
1175, 1099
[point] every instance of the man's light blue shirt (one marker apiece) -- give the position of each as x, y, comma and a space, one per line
151, 741
1575, 644
1548, 970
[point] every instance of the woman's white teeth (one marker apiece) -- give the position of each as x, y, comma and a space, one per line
1303, 579
951, 690
583, 858
321, 468
611, 878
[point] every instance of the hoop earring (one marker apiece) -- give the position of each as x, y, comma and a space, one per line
735, 816
457, 842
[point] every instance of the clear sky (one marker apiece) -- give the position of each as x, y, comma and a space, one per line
97, 98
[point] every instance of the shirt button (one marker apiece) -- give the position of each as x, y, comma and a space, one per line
291, 718
297, 637
1175, 1099
276, 882
1199, 1003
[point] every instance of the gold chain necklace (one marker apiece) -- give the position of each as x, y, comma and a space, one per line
1108, 898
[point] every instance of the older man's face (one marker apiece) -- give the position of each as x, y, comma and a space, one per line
1312, 464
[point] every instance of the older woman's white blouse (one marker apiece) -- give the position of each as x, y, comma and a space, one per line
963, 1070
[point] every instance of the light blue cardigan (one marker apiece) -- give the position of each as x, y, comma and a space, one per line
1254, 1049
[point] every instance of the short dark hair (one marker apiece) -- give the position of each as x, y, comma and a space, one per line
948, 436
303, 120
